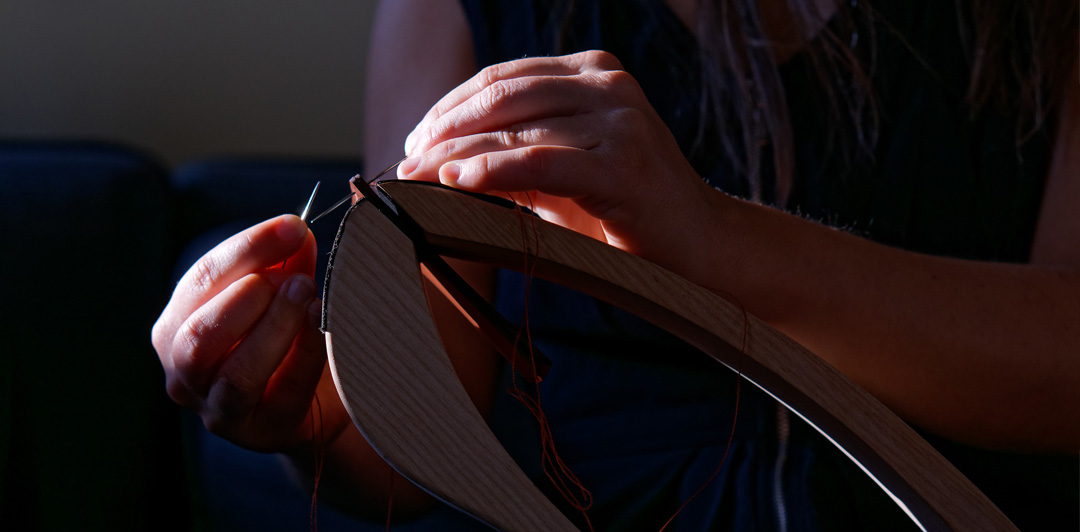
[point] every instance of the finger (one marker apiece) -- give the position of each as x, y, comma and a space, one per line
534, 66
291, 388
565, 212
243, 376
303, 261
508, 102
571, 65
202, 342
575, 131
253, 249
553, 170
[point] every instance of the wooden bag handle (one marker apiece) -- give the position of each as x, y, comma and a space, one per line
402, 393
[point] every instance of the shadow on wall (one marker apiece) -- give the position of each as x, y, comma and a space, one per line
187, 78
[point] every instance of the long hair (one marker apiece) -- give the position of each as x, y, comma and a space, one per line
1020, 52
741, 85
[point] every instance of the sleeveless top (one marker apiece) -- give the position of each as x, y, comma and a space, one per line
643, 419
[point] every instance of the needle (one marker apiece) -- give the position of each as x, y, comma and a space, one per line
388, 168
336, 205
349, 197
307, 208
303, 215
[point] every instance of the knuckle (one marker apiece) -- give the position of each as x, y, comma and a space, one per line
247, 242
216, 422
176, 390
437, 132
229, 401
190, 343
492, 73
494, 96
484, 165
621, 82
509, 138
203, 274
236, 387
602, 60
516, 137
448, 149
283, 323
283, 319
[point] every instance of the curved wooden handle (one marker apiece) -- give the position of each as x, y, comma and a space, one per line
400, 389
927, 486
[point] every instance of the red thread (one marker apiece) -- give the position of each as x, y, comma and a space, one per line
390, 498
734, 417
318, 452
557, 471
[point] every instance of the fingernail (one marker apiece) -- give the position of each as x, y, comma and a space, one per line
408, 166
410, 142
450, 173
300, 289
291, 229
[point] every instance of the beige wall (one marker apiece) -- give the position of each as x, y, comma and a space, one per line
187, 78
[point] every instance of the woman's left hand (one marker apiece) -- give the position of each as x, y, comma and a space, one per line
578, 132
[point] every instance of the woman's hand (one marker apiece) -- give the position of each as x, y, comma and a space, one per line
578, 131
240, 344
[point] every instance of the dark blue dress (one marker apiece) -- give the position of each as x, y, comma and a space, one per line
643, 419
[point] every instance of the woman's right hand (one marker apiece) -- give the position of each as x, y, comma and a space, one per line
578, 133
240, 341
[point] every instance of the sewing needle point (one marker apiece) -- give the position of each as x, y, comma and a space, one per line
307, 208
347, 198
331, 209
303, 215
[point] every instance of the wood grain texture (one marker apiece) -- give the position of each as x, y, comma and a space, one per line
930, 488
400, 389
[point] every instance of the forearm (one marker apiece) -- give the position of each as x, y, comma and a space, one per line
975, 351
981, 352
